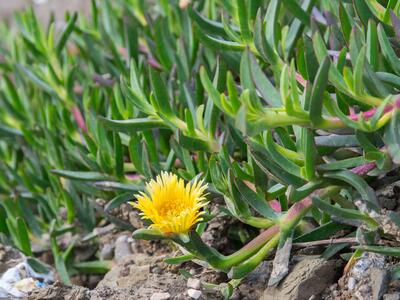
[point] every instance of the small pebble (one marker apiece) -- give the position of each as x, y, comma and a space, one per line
333, 287
156, 270
235, 296
194, 294
395, 296
107, 252
358, 295
134, 246
192, 271
160, 296
122, 248
364, 288
194, 283
101, 202
351, 283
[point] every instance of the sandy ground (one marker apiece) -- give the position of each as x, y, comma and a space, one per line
43, 7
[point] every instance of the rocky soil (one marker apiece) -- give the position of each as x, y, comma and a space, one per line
139, 270
141, 276
140, 273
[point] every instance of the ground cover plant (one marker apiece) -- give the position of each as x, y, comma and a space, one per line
287, 111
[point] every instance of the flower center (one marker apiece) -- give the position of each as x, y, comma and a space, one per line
171, 208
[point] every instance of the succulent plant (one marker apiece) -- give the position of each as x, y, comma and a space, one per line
289, 110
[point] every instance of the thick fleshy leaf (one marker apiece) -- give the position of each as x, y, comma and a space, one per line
89, 176
133, 125
366, 192
318, 90
252, 198
341, 213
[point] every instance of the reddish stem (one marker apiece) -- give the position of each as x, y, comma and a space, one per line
301, 80
275, 205
297, 209
133, 176
370, 113
102, 81
150, 59
352, 112
261, 238
79, 118
364, 169
153, 63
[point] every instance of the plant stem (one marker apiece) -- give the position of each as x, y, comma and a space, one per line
251, 263
292, 217
79, 118
258, 222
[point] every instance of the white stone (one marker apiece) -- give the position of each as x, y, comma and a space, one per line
194, 283
195, 294
160, 296
122, 248
351, 283
107, 252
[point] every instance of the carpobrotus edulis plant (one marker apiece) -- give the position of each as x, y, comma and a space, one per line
287, 112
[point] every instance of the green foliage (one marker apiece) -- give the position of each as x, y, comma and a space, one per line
271, 103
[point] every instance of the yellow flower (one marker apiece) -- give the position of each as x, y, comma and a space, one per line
172, 206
